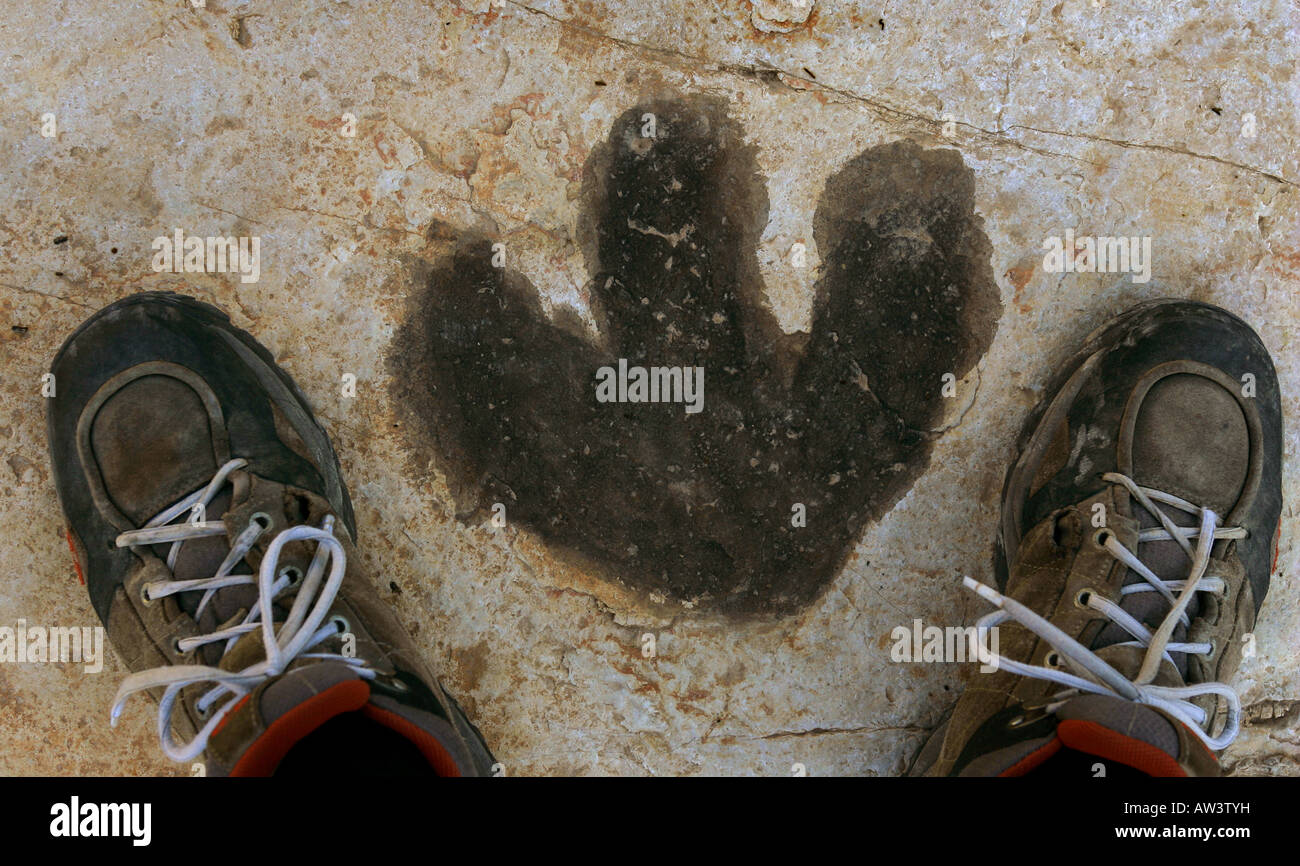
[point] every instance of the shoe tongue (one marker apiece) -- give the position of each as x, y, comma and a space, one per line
1128, 661
200, 558
1128, 733
300, 701
1131, 734
309, 682
261, 730
1167, 561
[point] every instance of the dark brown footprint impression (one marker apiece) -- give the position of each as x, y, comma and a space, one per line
745, 497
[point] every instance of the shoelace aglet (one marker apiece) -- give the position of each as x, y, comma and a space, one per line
1062, 642
986, 592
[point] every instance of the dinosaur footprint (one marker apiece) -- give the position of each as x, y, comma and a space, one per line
703, 506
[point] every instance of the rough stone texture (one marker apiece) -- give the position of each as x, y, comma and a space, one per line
1083, 114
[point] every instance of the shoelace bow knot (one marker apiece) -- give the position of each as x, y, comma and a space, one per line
301, 630
1094, 675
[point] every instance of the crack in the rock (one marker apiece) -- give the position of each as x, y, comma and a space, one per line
229, 213
28, 291
1165, 148
820, 732
358, 223
776, 75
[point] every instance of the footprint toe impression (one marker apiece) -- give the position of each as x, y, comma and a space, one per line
693, 450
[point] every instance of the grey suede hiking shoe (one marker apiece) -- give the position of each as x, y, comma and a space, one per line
207, 514
1139, 530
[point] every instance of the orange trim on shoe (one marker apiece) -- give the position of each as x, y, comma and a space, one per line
1032, 761
76, 561
265, 753
1094, 739
1277, 542
434, 752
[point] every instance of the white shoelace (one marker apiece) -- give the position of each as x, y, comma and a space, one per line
1104, 679
301, 630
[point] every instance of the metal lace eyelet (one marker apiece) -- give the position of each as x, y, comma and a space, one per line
262, 519
341, 623
293, 573
145, 597
1033, 713
1101, 536
1083, 597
